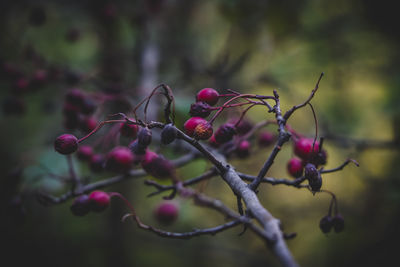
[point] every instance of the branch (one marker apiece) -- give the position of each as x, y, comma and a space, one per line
344, 164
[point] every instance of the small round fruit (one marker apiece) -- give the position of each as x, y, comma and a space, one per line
200, 109
304, 148
191, 124
166, 212
326, 224
265, 139
225, 133
243, 149
208, 95
119, 160
203, 131
85, 153
168, 134
99, 201
81, 205
338, 223
66, 144
295, 167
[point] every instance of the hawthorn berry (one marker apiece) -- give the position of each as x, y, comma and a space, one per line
338, 223
128, 130
136, 148
81, 205
144, 137
295, 167
200, 109
166, 213
168, 134
208, 95
243, 127
191, 124
99, 201
313, 176
120, 160
326, 224
303, 148
213, 142
87, 124
266, 138
85, 152
243, 149
66, 144
203, 131
225, 133
157, 166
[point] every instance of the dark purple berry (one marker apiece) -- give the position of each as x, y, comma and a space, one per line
200, 109
168, 134
81, 205
225, 133
326, 224
243, 127
243, 149
313, 176
157, 166
99, 201
66, 144
144, 137
137, 149
120, 160
265, 139
338, 223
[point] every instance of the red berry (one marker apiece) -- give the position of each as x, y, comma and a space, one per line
243, 149
66, 144
191, 124
304, 148
128, 130
157, 166
99, 201
166, 212
208, 95
120, 160
203, 131
213, 142
266, 139
85, 153
295, 167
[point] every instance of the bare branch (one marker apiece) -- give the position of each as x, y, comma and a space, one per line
344, 164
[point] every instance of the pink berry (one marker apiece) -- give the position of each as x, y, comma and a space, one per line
120, 160
208, 95
66, 144
99, 201
85, 153
128, 130
157, 166
166, 212
243, 149
266, 139
191, 124
213, 142
295, 167
303, 148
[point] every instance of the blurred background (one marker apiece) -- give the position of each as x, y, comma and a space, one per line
118, 51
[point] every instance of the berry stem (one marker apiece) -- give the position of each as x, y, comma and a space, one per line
98, 127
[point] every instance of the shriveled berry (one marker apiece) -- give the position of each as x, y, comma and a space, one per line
243, 127
320, 158
168, 134
96, 163
128, 130
313, 176
203, 131
243, 149
144, 137
66, 144
200, 109
295, 167
85, 152
338, 223
166, 212
208, 95
120, 160
81, 205
191, 124
265, 139
304, 148
99, 201
225, 133
136, 148
326, 224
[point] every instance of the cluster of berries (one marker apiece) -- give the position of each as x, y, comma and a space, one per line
328, 222
310, 156
97, 201
201, 129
